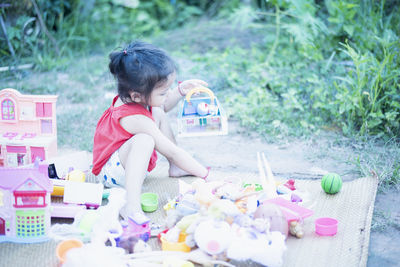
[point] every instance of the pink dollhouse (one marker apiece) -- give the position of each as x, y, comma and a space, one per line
28, 127
25, 203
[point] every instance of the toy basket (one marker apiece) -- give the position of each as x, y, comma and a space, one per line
201, 115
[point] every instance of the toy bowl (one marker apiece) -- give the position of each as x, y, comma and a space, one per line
64, 246
172, 246
326, 226
149, 202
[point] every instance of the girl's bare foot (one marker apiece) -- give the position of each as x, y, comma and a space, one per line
175, 171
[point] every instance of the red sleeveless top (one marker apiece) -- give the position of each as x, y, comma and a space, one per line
110, 135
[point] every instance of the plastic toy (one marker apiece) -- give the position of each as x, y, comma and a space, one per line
63, 165
326, 226
89, 194
149, 202
290, 184
213, 236
28, 127
64, 246
257, 187
179, 245
266, 249
76, 175
63, 210
295, 198
275, 217
136, 227
331, 183
93, 254
95, 225
295, 229
25, 204
201, 116
292, 211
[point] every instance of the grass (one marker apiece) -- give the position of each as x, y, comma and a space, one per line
382, 220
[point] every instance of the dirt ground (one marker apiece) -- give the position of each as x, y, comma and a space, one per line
236, 152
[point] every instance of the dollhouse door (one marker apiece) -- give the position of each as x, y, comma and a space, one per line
2, 227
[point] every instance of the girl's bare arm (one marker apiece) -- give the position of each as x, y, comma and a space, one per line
141, 124
176, 94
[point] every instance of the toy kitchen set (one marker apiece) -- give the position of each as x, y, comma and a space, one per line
28, 128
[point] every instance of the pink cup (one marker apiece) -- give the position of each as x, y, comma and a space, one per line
326, 226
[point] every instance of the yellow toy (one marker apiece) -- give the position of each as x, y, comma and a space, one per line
76, 175
204, 191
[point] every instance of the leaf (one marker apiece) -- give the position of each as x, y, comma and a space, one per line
349, 29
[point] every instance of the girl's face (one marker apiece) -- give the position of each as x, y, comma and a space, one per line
160, 92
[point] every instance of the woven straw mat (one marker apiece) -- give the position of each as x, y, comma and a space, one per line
352, 207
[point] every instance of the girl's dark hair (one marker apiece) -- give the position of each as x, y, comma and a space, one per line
139, 67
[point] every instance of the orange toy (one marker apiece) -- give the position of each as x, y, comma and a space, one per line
64, 246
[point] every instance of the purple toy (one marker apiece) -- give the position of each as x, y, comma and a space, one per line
135, 227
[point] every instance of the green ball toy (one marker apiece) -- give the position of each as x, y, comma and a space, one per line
331, 183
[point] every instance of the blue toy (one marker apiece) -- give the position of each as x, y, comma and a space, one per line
202, 115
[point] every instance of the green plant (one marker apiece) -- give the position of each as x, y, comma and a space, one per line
368, 97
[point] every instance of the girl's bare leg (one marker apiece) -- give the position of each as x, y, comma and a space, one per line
162, 121
135, 155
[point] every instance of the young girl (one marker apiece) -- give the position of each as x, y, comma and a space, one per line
130, 132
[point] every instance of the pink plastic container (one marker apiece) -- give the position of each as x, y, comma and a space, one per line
326, 226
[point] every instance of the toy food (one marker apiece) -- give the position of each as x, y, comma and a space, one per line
275, 216
331, 183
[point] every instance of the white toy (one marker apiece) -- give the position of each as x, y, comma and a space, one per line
213, 236
264, 248
202, 109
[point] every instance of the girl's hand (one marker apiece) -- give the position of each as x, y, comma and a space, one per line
185, 86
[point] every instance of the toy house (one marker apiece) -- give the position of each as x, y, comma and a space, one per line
201, 115
28, 127
25, 203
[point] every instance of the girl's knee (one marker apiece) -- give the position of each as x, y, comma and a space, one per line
143, 140
139, 142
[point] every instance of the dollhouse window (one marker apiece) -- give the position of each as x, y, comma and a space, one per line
29, 199
7, 110
44, 110
46, 126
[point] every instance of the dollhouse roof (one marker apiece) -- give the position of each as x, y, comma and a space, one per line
12, 178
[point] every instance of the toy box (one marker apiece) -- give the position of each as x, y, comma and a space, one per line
201, 115
28, 127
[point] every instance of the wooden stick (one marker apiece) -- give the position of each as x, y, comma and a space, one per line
270, 175
261, 171
267, 179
